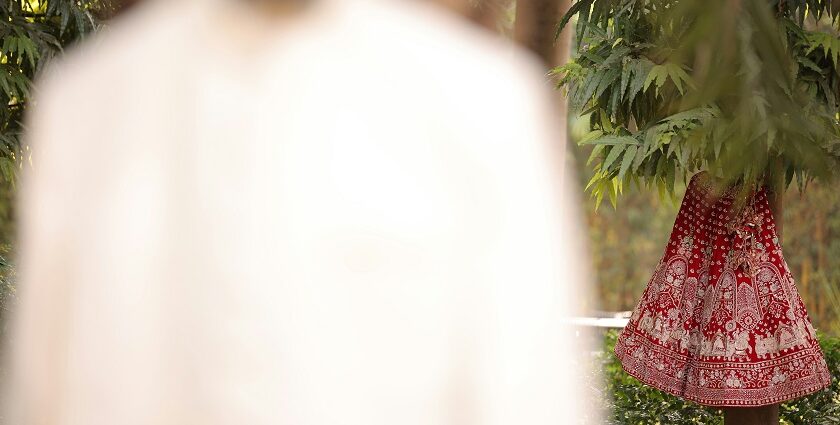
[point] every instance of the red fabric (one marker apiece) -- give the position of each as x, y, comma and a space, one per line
721, 322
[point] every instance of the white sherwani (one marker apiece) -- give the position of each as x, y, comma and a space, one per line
350, 215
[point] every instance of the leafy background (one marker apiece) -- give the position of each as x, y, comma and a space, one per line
744, 90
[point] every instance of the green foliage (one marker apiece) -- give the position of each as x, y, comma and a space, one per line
7, 290
822, 407
632, 403
32, 32
675, 86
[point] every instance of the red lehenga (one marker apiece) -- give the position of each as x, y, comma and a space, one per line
721, 322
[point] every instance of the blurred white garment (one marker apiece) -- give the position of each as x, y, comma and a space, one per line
352, 215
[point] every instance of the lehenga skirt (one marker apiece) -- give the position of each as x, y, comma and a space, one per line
721, 322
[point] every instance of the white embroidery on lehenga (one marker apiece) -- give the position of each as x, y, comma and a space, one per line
721, 322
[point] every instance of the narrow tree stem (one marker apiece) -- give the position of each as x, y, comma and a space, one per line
762, 415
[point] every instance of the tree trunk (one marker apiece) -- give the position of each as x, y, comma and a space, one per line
536, 21
534, 28
763, 415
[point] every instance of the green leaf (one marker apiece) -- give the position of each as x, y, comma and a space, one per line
615, 101
599, 196
592, 56
611, 140
589, 87
652, 76
6, 48
695, 114
652, 137
629, 155
613, 193
595, 178
639, 159
660, 185
670, 177
615, 56
658, 75
613, 154
596, 151
604, 121
808, 63
4, 83
573, 10
7, 169
678, 76
641, 68
626, 72
606, 80
65, 19
590, 137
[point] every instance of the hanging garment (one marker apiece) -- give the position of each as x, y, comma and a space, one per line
720, 322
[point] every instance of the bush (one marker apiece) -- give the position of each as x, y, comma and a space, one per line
630, 402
